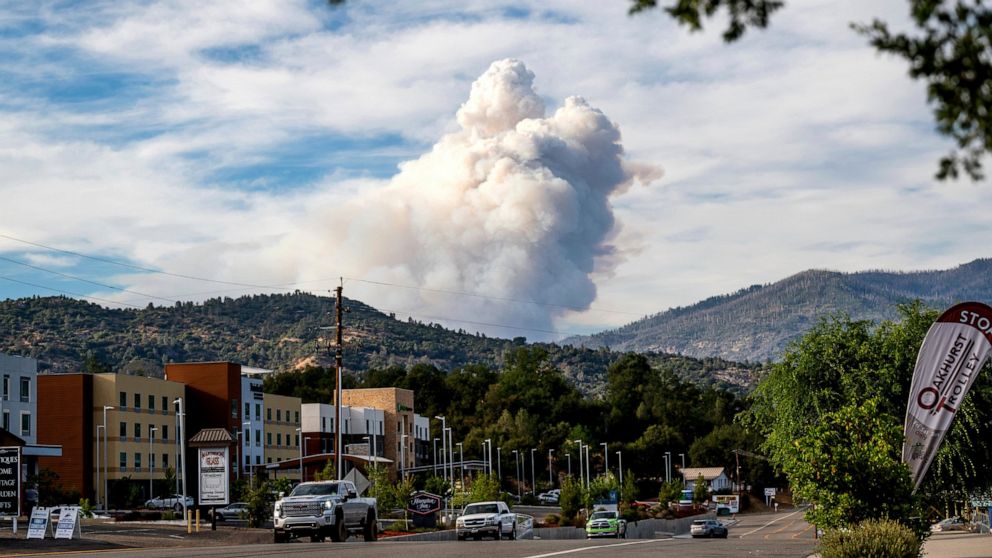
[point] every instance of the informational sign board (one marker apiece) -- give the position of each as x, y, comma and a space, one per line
40, 524
10, 481
770, 491
424, 507
214, 476
68, 527
729, 501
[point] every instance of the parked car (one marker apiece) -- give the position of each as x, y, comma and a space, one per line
165, 502
237, 510
951, 524
486, 519
549, 497
606, 524
708, 528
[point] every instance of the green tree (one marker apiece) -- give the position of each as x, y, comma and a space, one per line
951, 52
671, 491
484, 488
699, 490
571, 498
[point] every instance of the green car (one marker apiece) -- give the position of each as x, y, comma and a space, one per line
606, 524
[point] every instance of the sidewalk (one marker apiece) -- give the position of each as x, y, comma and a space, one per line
958, 545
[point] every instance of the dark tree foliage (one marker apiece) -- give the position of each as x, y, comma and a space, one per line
743, 13
951, 52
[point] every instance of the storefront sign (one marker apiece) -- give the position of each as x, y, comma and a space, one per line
40, 524
68, 527
214, 476
10, 481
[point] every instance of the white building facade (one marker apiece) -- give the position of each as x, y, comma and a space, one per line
19, 396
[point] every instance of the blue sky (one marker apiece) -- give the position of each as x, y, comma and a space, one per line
245, 143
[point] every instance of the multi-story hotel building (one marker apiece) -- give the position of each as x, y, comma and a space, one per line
19, 396
282, 428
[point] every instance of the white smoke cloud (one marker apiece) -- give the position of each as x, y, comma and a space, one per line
513, 205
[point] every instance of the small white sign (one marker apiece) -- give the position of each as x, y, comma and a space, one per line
40, 523
770, 491
68, 527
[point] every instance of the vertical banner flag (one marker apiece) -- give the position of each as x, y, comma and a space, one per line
953, 352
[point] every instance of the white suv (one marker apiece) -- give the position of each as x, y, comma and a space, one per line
486, 519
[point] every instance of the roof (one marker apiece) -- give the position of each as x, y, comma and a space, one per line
709, 473
211, 436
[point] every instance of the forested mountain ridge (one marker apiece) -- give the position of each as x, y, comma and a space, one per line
757, 323
282, 332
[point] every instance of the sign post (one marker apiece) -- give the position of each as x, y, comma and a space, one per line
214, 467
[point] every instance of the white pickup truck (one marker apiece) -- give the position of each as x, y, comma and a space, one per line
486, 519
324, 509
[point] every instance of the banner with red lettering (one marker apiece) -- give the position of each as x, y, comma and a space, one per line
953, 353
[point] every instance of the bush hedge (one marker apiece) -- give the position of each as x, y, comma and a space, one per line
871, 539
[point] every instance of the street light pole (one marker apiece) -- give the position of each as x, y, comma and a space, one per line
461, 463
435, 457
682, 455
551, 482
668, 455
582, 478
99, 427
151, 462
668, 476
403, 438
106, 494
606, 457
516, 455
620, 459
569, 457
499, 467
300, 441
588, 469
487, 456
533, 473
182, 449
444, 445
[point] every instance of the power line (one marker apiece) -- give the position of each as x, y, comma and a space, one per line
563, 334
75, 278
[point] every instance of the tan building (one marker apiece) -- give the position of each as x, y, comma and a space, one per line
282, 428
397, 405
141, 427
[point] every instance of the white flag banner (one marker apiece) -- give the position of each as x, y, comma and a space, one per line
953, 352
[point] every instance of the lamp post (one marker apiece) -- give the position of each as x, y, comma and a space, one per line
182, 449
620, 460
249, 453
668, 476
499, 468
551, 482
516, 455
682, 455
668, 454
582, 478
403, 438
106, 494
99, 427
487, 456
588, 468
569, 456
484, 464
151, 460
435, 457
533, 473
444, 445
606, 457
461, 464
300, 441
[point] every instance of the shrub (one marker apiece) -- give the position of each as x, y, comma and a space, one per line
871, 539
552, 519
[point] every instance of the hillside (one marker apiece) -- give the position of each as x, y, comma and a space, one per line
757, 323
282, 332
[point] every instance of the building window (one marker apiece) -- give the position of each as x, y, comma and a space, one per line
25, 390
137, 400
247, 437
6, 387
25, 424
123, 431
247, 460
165, 431
258, 460
122, 402
247, 410
297, 440
151, 460
323, 424
165, 460
279, 439
268, 438
297, 417
123, 462
258, 411
137, 461
6, 420
137, 430
268, 413
258, 437
151, 402
234, 408
269, 460
165, 403
279, 414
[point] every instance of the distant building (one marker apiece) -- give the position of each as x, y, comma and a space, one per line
19, 396
715, 477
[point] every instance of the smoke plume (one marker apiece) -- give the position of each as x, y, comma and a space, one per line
513, 205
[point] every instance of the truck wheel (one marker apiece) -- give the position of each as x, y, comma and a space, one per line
371, 528
178, 508
317, 537
499, 533
338, 531
513, 533
279, 538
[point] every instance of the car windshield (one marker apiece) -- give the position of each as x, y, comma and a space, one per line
700, 522
481, 508
602, 515
315, 490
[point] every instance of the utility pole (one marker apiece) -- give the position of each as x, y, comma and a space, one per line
338, 354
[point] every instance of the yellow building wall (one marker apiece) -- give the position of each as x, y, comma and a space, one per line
282, 419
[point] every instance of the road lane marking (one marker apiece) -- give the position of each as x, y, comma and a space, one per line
597, 547
772, 522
